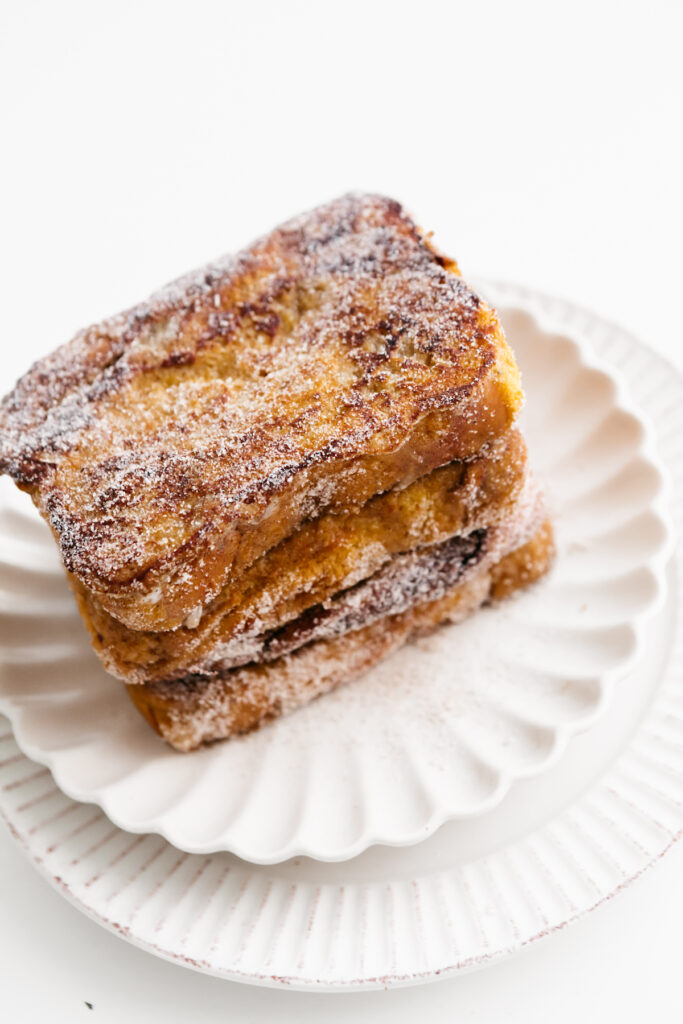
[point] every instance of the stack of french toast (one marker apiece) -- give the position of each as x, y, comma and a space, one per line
281, 468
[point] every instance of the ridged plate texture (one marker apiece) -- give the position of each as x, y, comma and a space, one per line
555, 847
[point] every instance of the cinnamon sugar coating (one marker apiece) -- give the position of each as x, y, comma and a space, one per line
171, 446
280, 468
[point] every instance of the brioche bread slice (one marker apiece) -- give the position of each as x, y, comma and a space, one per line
171, 446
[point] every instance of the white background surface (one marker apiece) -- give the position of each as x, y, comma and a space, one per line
541, 141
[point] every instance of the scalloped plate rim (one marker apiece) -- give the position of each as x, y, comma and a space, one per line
563, 733
446, 967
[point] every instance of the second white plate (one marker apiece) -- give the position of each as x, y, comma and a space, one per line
437, 732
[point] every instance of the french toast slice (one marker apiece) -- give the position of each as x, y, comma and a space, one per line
324, 556
171, 446
201, 709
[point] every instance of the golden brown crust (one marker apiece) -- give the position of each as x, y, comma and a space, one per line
324, 556
195, 711
523, 566
171, 446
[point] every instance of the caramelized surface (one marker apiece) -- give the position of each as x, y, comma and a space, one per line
171, 446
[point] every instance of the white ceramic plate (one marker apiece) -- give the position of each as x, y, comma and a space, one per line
480, 888
440, 730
